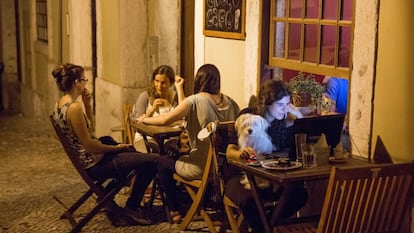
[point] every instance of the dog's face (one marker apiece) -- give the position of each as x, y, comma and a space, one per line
251, 130
250, 125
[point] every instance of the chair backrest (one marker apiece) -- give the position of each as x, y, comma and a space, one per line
129, 131
74, 157
367, 199
222, 135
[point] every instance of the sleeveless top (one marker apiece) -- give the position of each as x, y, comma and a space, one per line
87, 159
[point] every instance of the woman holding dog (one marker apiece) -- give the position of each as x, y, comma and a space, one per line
275, 106
206, 105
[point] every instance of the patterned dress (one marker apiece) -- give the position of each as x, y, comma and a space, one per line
87, 159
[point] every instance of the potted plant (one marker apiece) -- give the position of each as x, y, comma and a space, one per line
306, 91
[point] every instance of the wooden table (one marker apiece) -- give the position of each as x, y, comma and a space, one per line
288, 179
158, 132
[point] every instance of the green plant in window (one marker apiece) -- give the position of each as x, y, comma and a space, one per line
305, 90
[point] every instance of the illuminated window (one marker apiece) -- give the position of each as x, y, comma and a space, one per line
313, 36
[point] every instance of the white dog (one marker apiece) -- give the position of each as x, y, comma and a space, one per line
252, 132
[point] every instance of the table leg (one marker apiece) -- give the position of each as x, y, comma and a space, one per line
160, 142
147, 145
259, 203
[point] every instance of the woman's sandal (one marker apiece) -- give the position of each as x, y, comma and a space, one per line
176, 217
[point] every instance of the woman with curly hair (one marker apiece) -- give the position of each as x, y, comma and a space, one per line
274, 105
159, 98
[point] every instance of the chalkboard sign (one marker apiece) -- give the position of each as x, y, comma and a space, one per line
225, 18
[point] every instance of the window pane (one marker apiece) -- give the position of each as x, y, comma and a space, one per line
294, 41
280, 8
279, 43
328, 44
347, 9
330, 9
311, 36
344, 45
312, 8
296, 8
41, 20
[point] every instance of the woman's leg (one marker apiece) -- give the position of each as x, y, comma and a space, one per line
297, 199
166, 169
244, 199
145, 166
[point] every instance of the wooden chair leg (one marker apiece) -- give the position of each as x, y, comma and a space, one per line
131, 185
235, 220
195, 208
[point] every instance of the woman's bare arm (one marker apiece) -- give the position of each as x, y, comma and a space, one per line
176, 114
235, 152
179, 82
77, 120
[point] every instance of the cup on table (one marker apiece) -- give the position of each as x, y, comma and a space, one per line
163, 110
322, 155
309, 159
300, 138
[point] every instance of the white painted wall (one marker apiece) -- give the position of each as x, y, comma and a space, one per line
237, 60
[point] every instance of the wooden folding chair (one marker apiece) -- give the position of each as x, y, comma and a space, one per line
105, 190
126, 130
197, 188
364, 199
224, 135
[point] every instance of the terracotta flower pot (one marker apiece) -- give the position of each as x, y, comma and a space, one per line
302, 99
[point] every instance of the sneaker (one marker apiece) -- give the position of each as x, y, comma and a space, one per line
176, 217
138, 216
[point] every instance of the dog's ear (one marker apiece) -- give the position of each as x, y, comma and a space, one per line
265, 123
239, 121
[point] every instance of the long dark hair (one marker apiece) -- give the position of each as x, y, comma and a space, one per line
66, 75
163, 69
271, 91
207, 79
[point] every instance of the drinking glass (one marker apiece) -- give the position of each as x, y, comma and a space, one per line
309, 159
300, 138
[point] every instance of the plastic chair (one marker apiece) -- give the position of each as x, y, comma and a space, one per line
105, 190
364, 199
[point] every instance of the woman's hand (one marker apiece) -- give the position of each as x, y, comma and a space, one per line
294, 111
179, 87
179, 82
160, 102
123, 147
140, 119
247, 153
156, 104
86, 97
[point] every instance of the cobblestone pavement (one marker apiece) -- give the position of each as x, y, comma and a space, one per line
34, 169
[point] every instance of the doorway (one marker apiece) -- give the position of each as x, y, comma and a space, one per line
187, 45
